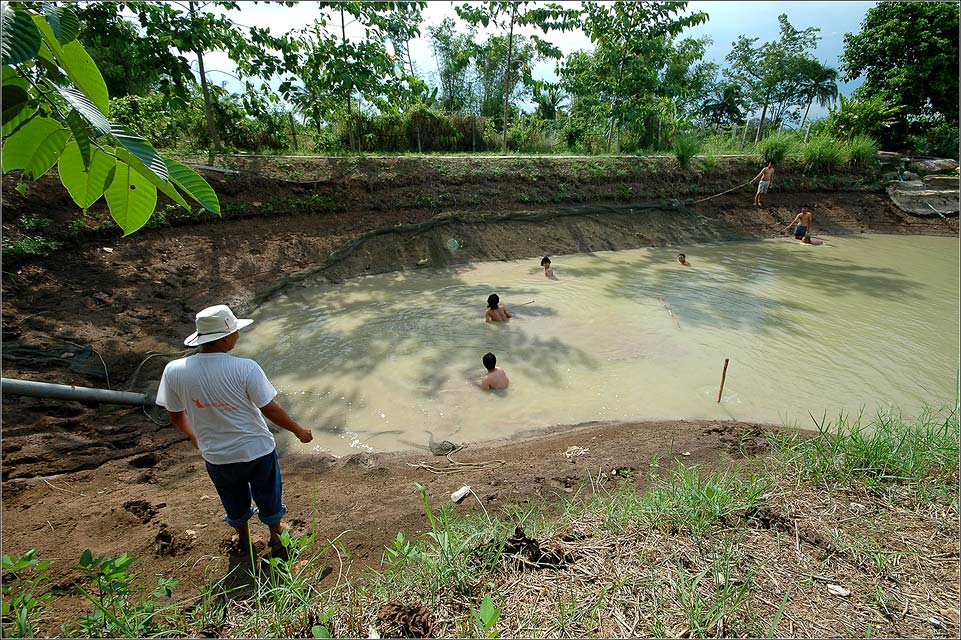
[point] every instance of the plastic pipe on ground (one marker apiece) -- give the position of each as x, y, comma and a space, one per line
69, 392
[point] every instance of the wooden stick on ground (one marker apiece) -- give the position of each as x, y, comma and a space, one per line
723, 375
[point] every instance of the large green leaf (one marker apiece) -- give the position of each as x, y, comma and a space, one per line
140, 148
86, 185
77, 63
21, 39
35, 147
79, 130
163, 186
131, 198
87, 109
63, 21
16, 111
14, 101
193, 184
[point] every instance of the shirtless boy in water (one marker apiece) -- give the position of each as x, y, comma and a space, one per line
496, 312
683, 259
546, 263
766, 177
495, 378
802, 224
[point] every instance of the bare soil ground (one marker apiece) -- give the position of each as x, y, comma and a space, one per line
116, 480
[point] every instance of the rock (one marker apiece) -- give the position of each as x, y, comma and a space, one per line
947, 182
888, 156
889, 175
946, 165
918, 199
910, 176
923, 166
838, 590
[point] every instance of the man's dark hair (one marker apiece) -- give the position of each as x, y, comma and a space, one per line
545, 260
490, 361
681, 255
493, 300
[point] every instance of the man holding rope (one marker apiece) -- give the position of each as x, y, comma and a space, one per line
766, 177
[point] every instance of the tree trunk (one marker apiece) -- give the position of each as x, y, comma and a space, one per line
760, 122
805, 118
208, 106
473, 133
507, 76
293, 129
350, 89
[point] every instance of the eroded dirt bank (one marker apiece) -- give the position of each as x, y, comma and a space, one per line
119, 480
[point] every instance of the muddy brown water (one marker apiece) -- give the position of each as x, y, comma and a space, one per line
858, 325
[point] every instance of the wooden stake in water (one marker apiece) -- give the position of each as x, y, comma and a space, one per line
723, 375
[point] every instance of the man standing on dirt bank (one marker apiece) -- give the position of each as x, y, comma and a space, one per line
766, 177
219, 402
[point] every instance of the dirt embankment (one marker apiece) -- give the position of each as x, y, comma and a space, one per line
119, 480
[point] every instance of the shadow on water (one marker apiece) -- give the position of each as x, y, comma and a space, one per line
743, 290
399, 317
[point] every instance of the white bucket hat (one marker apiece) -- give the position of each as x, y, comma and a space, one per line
213, 323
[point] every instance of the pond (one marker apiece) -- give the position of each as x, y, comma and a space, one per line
860, 324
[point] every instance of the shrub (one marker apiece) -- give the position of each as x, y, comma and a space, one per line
862, 150
776, 147
824, 153
686, 147
862, 116
940, 140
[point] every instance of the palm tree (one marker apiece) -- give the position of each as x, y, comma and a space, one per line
821, 86
726, 105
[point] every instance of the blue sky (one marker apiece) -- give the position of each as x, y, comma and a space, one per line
727, 21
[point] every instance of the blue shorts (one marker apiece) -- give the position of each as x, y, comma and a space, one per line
238, 481
800, 231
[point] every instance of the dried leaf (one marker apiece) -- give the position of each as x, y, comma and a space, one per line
838, 590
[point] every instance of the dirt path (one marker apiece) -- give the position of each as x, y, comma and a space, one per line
162, 509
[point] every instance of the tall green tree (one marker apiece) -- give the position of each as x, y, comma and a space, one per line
56, 112
453, 54
773, 73
907, 53
333, 70
621, 78
510, 15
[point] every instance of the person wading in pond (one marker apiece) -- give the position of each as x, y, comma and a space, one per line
766, 177
219, 402
681, 258
496, 312
802, 223
546, 263
495, 378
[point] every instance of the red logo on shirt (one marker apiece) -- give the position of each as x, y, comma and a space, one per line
214, 405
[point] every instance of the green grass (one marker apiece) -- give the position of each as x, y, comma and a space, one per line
777, 147
685, 148
885, 451
824, 153
862, 150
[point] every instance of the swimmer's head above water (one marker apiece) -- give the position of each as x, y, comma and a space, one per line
493, 301
490, 361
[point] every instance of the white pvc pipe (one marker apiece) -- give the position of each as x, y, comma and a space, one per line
65, 392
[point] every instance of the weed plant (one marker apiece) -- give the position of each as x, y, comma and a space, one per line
685, 148
777, 147
824, 153
862, 150
884, 451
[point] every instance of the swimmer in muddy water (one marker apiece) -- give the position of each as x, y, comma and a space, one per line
495, 378
546, 263
496, 312
807, 239
681, 258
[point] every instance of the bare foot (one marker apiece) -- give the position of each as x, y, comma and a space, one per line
275, 531
236, 546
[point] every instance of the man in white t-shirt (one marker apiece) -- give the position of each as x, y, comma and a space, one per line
219, 402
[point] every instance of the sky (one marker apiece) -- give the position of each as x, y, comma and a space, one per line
727, 21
